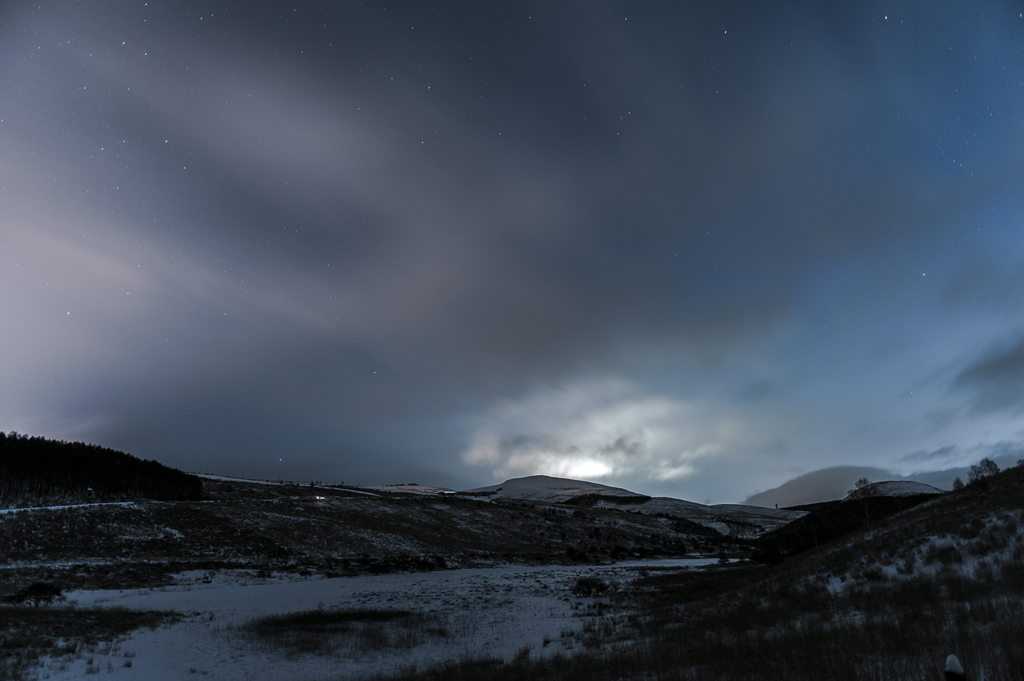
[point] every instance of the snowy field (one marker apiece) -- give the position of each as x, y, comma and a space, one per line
493, 612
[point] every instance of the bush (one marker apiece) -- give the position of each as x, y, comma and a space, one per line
589, 585
38, 593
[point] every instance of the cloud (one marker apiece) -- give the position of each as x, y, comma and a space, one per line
987, 281
820, 485
333, 233
996, 379
923, 455
597, 429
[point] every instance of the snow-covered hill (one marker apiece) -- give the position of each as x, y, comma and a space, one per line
550, 490
734, 520
893, 488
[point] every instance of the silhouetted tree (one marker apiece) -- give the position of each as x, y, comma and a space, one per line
860, 484
983, 469
36, 470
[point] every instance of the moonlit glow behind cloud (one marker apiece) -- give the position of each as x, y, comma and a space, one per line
686, 250
597, 430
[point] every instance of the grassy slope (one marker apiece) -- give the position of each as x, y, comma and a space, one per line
285, 528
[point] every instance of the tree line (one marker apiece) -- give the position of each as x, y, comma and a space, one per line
37, 471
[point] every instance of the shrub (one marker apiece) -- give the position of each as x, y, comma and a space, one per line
38, 593
943, 554
589, 585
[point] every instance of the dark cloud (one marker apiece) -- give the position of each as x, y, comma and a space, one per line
922, 455
987, 281
625, 446
996, 379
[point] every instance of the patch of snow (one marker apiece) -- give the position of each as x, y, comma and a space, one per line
547, 489
361, 491
721, 528
413, 488
493, 612
61, 508
893, 488
227, 478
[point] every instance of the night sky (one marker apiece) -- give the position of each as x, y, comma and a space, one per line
694, 249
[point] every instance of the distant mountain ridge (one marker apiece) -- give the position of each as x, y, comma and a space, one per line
735, 520
833, 483
550, 489
893, 488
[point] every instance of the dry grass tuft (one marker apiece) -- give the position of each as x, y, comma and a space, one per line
324, 631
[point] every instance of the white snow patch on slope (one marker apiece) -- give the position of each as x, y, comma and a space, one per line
412, 488
61, 508
227, 478
893, 488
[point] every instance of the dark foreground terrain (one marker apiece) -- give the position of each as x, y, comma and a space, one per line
321, 531
887, 600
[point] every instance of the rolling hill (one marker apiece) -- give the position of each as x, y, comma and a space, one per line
734, 520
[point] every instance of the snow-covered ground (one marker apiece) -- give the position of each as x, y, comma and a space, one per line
4, 511
228, 478
412, 488
893, 488
547, 489
493, 612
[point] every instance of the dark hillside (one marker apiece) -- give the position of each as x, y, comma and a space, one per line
888, 602
330, 531
975, 530
35, 471
831, 519
588, 500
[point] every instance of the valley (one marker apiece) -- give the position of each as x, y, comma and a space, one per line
536, 578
